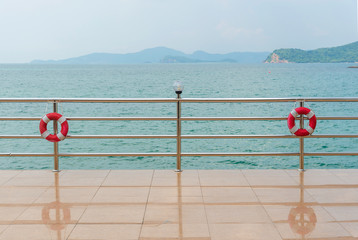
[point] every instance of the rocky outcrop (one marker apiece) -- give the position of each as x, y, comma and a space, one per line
274, 58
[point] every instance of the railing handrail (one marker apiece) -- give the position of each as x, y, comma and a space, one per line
172, 118
198, 100
178, 118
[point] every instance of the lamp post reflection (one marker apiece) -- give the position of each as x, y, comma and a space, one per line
302, 219
56, 215
180, 205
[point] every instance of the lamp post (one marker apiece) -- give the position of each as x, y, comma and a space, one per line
178, 88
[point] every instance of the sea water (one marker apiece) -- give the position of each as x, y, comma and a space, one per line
155, 81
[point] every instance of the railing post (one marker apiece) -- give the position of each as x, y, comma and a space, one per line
55, 144
302, 143
178, 169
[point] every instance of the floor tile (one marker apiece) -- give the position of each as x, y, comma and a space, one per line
281, 195
34, 232
236, 214
343, 213
316, 177
171, 178
2, 228
229, 195
9, 214
334, 195
283, 213
173, 214
75, 174
268, 178
7, 175
316, 231
175, 195
20, 195
349, 176
39, 174
4, 180
10, 173
129, 178
30, 181
244, 232
122, 195
196, 232
109, 214
105, 232
68, 195
351, 227
222, 178
175, 231
80, 182
54, 213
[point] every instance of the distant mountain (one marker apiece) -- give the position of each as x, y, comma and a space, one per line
239, 57
160, 55
345, 53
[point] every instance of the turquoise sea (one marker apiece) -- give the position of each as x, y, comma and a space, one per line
155, 81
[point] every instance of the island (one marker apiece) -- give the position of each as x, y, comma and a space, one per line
342, 54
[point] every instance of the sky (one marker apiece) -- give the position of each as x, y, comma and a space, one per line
59, 29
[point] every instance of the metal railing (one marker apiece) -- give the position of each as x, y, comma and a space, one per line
178, 154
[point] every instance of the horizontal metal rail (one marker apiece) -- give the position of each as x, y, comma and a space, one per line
88, 154
332, 154
182, 136
174, 100
261, 154
203, 154
253, 100
257, 118
173, 118
240, 154
178, 118
90, 100
265, 136
92, 136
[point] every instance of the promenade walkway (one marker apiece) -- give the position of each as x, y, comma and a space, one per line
165, 205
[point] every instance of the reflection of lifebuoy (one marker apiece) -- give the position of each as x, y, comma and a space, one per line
53, 137
57, 224
291, 121
297, 219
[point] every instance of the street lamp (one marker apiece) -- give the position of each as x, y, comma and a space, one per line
178, 87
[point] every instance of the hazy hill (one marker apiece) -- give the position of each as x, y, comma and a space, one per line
240, 57
345, 53
160, 55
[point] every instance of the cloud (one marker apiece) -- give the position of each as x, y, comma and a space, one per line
230, 32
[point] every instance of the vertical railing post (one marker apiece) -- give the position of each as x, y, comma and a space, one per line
55, 144
178, 169
302, 144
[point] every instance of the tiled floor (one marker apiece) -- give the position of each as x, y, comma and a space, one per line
192, 205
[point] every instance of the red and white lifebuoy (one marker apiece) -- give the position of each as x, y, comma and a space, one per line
299, 131
53, 137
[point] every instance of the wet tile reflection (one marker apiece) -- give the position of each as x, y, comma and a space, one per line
192, 205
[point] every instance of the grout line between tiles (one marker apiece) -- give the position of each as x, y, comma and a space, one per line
88, 204
259, 201
145, 208
202, 196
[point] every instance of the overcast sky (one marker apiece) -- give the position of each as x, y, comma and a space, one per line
58, 29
